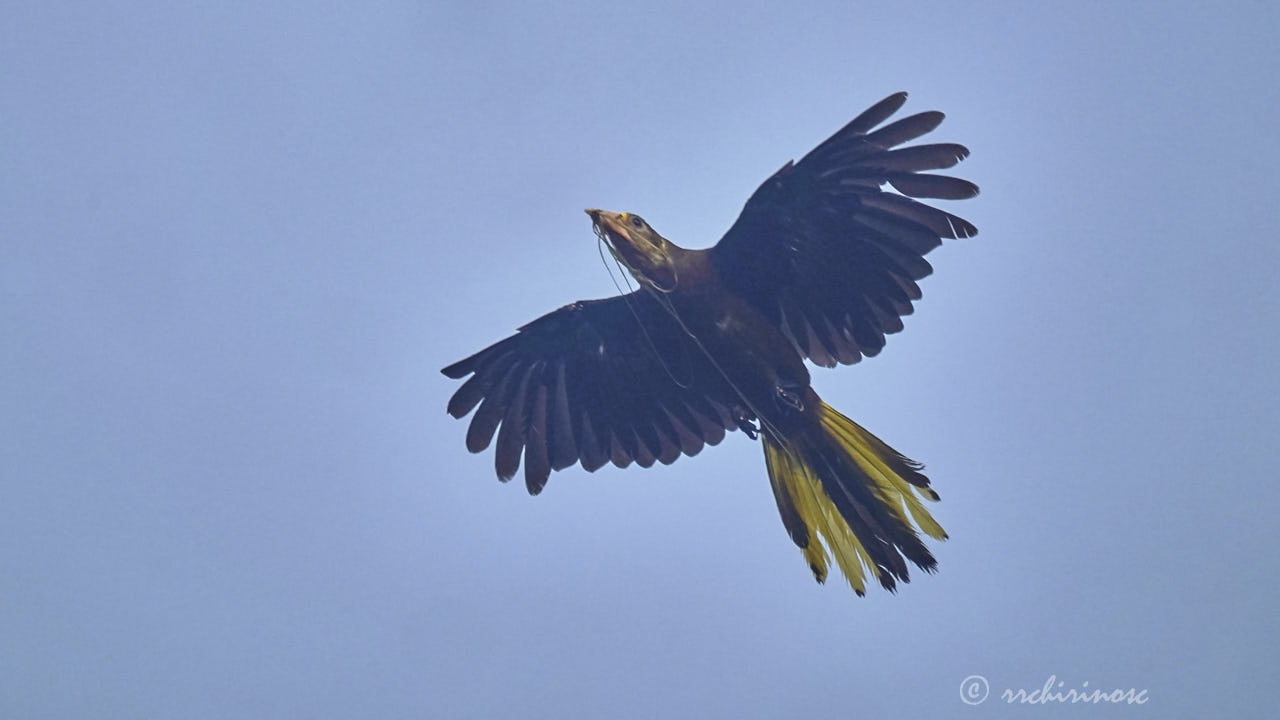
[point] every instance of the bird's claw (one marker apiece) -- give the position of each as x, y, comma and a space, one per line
789, 399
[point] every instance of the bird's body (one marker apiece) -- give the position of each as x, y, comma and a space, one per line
740, 343
821, 264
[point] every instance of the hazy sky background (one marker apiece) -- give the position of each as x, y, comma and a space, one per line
238, 241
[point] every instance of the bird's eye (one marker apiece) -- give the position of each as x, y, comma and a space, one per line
636, 222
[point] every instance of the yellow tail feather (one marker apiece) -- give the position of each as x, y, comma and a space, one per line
797, 471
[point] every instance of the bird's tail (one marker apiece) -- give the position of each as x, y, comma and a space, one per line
842, 491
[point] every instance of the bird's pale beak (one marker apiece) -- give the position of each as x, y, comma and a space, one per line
608, 222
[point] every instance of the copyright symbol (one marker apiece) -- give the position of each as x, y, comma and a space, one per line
974, 689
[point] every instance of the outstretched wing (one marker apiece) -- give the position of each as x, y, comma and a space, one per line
596, 381
831, 257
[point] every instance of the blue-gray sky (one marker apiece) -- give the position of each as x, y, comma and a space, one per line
238, 241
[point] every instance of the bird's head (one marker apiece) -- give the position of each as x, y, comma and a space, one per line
645, 253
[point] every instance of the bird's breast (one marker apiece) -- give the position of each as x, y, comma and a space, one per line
745, 344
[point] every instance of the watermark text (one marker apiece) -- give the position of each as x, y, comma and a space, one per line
975, 689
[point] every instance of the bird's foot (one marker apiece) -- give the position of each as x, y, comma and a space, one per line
788, 399
746, 426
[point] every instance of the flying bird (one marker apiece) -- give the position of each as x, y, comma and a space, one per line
821, 265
